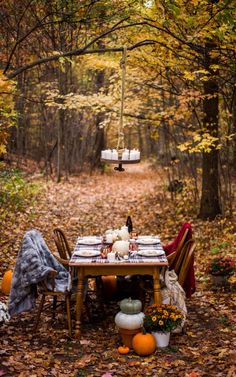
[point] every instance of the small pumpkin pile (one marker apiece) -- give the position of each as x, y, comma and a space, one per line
129, 320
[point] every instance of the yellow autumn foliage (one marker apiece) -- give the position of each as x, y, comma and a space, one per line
7, 112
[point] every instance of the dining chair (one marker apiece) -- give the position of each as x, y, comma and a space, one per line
45, 291
63, 247
184, 268
184, 234
65, 254
174, 257
37, 271
177, 267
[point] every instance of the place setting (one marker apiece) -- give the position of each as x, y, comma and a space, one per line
87, 247
89, 240
148, 240
86, 253
150, 252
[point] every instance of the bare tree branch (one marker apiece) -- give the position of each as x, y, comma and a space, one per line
21, 40
85, 49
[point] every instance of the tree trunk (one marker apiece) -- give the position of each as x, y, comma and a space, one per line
99, 142
234, 129
210, 200
59, 146
21, 119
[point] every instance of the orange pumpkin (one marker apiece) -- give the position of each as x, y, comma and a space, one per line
123, 350
144, 344
6, 282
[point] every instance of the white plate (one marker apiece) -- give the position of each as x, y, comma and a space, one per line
89, 241
86, 253
148, 240
150, 253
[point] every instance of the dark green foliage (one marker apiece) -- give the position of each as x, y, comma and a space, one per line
15, 191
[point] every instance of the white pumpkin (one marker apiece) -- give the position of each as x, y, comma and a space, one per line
121, 247
123, 233
129, 321
115, 235
108, 231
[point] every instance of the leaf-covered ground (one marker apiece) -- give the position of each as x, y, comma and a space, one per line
89, 204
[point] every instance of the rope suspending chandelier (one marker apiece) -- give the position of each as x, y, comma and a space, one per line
121, 155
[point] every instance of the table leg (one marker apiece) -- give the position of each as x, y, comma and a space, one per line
157, 286
79, 302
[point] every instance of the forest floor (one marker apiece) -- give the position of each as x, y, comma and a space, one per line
90, 204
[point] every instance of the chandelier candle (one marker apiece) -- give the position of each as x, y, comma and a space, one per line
114, 154
127, 155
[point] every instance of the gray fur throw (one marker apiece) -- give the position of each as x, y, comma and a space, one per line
34, 262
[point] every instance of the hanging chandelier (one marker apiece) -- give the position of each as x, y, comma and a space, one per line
121, 155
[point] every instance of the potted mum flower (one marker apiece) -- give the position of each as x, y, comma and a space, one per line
160, 320
221, 268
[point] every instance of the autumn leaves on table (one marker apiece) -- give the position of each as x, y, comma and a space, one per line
118, 245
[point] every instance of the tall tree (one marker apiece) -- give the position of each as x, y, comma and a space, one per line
195, 52
189, 52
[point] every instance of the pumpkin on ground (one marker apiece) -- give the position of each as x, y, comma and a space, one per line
144, 344
123, 350
6, 282
129, 306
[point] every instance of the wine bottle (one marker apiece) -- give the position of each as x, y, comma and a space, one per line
129, 224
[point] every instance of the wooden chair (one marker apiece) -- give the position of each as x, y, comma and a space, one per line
64, 251
181, 256
43, 289
174, 257
62, 247
187, 258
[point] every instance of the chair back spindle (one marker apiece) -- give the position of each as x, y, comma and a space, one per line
186, 261
173, 258
62, 244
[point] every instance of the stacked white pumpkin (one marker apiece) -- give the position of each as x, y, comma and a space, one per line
120, 240
129, 319
117, 234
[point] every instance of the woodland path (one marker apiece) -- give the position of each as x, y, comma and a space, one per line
91, 204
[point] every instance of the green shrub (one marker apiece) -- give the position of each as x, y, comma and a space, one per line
15, 192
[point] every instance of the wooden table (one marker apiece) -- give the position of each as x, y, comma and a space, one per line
121, 268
